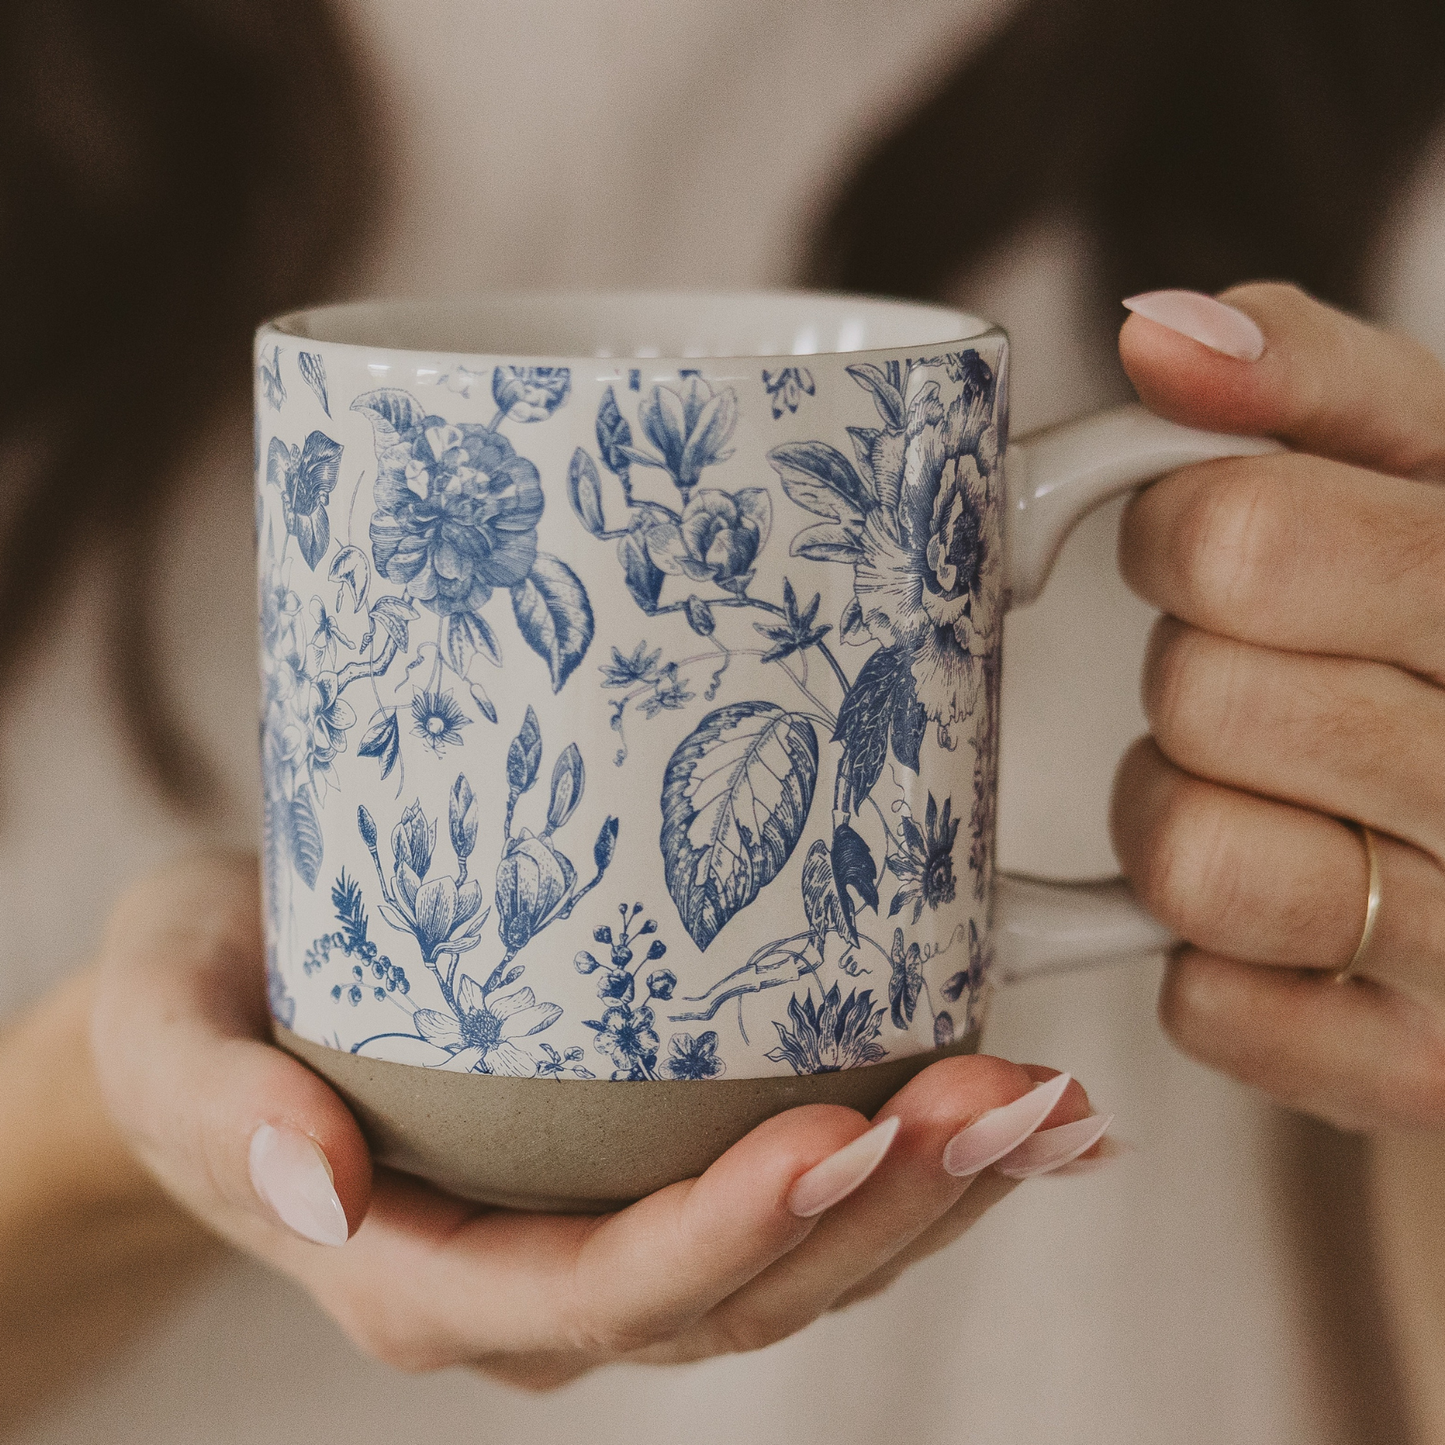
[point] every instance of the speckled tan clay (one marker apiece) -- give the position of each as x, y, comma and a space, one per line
574, 1146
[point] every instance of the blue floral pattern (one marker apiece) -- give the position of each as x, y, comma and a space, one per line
785, 618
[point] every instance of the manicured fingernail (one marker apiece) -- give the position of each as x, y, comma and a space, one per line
1053, 1148
1000, 1131
1202, 319
841, 1173
289, 1171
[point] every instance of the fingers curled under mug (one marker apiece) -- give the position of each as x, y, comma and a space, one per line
970, 1097
248, 1137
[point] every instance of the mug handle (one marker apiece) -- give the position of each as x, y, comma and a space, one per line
1052, 479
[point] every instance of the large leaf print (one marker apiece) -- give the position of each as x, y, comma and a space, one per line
734, 801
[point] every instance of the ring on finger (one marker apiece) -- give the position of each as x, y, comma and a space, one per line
1372, 905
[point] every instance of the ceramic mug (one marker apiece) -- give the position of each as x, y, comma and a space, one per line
630, 717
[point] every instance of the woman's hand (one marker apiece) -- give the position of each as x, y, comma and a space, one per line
1295, 682
810, 1211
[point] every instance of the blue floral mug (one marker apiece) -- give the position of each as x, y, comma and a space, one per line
630, 714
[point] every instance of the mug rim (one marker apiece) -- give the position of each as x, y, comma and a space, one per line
861, 325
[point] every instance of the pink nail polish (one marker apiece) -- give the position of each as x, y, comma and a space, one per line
1202, 319
999, 1131
1053, 1148
841, 1173
289, 1171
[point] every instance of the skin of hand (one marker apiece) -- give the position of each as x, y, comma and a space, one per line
711, 1265
1295, 681
89, 1243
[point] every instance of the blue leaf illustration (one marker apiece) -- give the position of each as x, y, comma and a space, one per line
910, 721
883, 701
853, 867
954, 986
822, 480
584, 489
735, 799
392, 412
828, 542
270, 376
393, 614
467, 634
643, 576
305, 836
382, 740
614, 435
313, 373
886, 394
942, 1030
820, 896
554, 616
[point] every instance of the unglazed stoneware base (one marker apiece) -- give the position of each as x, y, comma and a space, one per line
574, 1146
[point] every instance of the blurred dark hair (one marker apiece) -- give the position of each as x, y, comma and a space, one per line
1200, 143
172, 171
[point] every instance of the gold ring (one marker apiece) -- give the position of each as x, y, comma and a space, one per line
1372, 905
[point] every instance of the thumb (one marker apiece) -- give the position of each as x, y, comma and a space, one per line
248, 1138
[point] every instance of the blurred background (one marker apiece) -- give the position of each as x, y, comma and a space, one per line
172, 171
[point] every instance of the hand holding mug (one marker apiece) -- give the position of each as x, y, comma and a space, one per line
1294, 692
815, 1208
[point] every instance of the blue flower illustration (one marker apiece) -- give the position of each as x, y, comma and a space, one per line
530, 393
412, 841
443, 914
627, 1031
717, 538
456, 514
841, 1034
917, 520
437, 720
534, 883
331, 718
693, 1058
639, 666
481, 1036
326, 636
690, 427
787, 387
306, 476
628, 1036
905, 981
924, 865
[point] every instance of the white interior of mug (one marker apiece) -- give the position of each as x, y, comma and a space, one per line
639, 325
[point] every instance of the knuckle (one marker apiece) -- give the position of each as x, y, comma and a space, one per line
1181, 690
1231, 541
1187, 873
